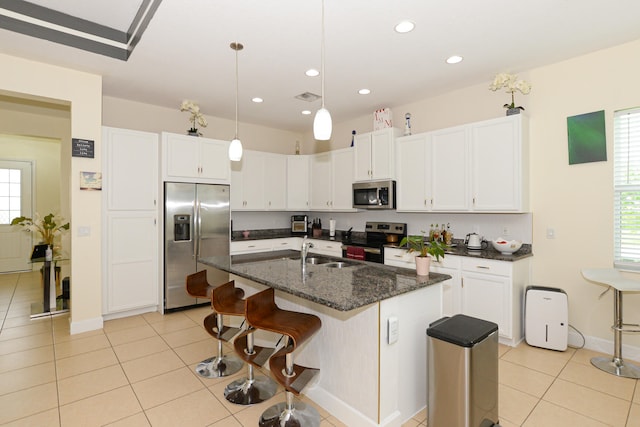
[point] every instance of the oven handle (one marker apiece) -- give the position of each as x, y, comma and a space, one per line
376, 251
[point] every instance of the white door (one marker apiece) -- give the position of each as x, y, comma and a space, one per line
15, 201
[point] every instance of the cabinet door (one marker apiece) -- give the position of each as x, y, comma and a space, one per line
132, 268
131, 166
362, 157
236, 197
486, 297
253, 180
413, 186
275, 181
382, 154
298, 182
342, 166
214, 160
182, 154
449, 169
496, 165
321, 181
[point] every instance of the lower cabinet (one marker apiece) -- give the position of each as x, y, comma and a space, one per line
326, 247
264, 245
483, 288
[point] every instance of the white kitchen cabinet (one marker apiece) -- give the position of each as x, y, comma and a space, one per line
264, 245
500, 159
374, 155
258, 182
413, 186
130, 233
298, 173
449, 168
494, 291
195, 159
326, 247
331, 181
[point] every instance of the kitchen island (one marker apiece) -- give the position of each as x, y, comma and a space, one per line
364, 380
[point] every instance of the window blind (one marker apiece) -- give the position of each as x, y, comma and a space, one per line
626, 182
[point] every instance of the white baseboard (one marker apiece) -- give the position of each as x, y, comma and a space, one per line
86, 325
338, 408
127, 313
603, 346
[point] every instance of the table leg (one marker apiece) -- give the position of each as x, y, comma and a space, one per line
616, 365
46, 283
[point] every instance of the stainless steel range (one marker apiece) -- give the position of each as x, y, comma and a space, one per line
377, 234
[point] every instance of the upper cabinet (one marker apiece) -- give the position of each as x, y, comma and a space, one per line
298, 182
480, 167
374, 155
500, 165
331, 179
258, 182
195, 159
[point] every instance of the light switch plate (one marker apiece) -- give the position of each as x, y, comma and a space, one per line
392, 330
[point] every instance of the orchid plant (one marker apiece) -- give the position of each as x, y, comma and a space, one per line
48, 227
511, 84
196, 116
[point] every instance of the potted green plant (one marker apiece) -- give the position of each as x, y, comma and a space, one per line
425, 249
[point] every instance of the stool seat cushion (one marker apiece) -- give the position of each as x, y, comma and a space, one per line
611, 277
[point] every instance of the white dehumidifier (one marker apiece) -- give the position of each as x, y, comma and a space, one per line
546, 314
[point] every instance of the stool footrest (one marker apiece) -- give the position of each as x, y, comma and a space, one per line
260, 354
301, 374
625, 328
219, 332
227, 333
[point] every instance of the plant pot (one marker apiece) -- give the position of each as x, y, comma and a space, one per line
512, 111
193, 133
422, 265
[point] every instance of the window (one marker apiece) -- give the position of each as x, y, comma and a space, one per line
626, 182
10, 198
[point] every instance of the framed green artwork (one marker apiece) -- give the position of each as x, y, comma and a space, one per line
587, 138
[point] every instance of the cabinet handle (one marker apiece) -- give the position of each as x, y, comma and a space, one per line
484, 267
462, 282
251, 246
398, 256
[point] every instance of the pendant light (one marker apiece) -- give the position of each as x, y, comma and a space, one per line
235, 148
322, 122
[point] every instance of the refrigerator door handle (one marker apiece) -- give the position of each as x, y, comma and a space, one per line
197, 223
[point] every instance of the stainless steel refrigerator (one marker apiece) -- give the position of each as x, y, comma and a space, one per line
196, 224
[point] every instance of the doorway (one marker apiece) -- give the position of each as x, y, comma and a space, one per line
15, 200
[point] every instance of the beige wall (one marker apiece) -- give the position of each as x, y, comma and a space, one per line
83, 93
126, 114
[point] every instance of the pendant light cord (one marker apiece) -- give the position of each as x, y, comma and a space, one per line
236, 49
322, 55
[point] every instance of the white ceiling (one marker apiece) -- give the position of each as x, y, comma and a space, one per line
184, 52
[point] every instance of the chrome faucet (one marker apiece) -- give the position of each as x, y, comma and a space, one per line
304, 250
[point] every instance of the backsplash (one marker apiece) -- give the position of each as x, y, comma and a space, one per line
489, 226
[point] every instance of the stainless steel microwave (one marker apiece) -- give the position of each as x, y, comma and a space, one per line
374, 195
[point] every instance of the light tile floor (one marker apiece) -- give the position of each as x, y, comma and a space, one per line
138, 371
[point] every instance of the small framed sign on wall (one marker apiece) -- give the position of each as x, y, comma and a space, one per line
587, 138
82, 148
90, 180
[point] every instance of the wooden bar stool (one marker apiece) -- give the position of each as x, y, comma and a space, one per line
263, 313
225, 300
250, 389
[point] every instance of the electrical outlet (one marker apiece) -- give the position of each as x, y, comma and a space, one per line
505, 230
392, 329
551, 233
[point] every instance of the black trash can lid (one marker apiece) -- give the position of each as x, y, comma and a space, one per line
461, 330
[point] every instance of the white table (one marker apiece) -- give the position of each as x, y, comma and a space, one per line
614, 279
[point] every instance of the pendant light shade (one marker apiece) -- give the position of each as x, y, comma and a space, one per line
322, 125
235, 148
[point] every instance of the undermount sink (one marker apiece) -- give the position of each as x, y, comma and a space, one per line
339, 264
317, 261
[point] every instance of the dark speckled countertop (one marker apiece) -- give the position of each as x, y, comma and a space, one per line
457, 248
359, 284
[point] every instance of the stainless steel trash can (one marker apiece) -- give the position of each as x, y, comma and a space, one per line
462, 372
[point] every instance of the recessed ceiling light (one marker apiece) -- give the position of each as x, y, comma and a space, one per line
312, 72
364, 91
405, 27
306, 112
454, 59
257, 100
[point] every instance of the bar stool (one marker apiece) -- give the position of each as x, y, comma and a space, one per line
250, 389
220, 365
263, 313
613, 279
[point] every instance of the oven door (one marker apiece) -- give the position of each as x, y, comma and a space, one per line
362, 253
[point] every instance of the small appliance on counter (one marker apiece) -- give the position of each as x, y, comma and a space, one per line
299, 224
473, 242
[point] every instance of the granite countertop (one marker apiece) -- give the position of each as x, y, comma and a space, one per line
357, 285
457, 247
